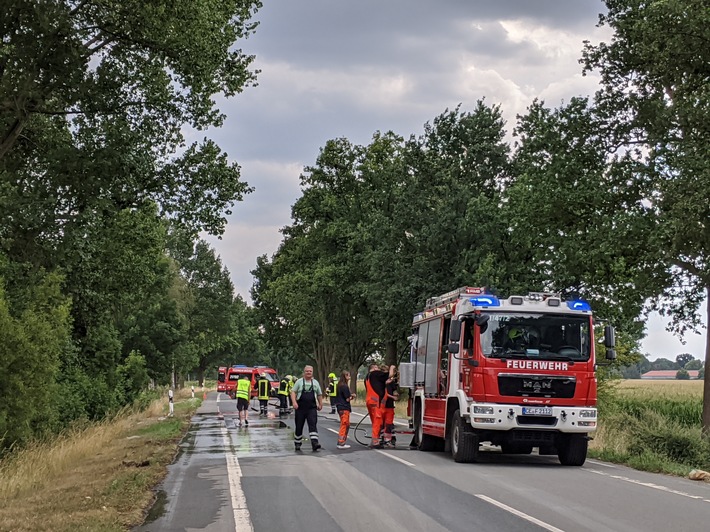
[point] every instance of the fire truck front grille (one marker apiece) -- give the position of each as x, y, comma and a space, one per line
519, 385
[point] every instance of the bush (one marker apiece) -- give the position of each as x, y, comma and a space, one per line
682, 374
662, 433
669, 440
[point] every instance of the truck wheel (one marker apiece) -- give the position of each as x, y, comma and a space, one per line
464, 442
426, 442
572, 449
516, 448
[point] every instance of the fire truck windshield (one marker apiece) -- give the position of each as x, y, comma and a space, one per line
537, 336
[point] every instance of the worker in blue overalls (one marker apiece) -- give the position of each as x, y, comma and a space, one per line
307, 398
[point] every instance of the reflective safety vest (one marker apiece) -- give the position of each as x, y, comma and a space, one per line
243, 389
284, 386
333, 386
264, 386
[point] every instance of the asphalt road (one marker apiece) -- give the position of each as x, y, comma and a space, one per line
228, 478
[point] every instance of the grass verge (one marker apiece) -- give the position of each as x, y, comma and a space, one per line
652, 426
97, 477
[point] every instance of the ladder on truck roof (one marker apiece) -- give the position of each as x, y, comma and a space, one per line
449, 297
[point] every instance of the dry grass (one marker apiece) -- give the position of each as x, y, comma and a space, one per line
99, 477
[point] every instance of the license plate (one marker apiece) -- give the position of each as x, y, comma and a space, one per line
537, 411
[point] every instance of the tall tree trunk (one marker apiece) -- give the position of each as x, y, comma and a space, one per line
391, 354
706, 383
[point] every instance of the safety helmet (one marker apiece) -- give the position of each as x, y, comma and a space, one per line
287, 377
332, 376
515, 333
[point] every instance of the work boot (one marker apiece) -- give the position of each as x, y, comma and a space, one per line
377, 445
332, 410
316, 446
298, 446
246, 423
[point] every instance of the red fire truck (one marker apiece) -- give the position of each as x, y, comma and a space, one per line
515, 372
234, 373
221, 379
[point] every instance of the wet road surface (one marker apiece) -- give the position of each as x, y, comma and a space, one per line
229, 478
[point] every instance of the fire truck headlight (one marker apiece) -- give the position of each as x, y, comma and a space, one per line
590, 424
588, 413
482, 409
484, 420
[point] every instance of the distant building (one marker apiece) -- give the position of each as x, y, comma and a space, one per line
659, 374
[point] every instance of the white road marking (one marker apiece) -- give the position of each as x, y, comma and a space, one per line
393, 457
388, 455
242, 518
649, 485
601, 464
523, 515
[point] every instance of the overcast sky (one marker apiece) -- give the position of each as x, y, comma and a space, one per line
344, 68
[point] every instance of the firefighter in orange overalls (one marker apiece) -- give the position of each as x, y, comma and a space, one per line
391, 395
375, 383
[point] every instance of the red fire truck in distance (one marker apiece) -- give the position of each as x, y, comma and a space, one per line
515, 372
234, 373
221, 379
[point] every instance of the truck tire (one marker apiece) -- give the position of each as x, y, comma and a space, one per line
425, 442
464, 442
572, 449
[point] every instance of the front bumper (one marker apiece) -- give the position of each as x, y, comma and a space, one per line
494, 416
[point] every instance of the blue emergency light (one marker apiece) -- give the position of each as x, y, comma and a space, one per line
579, 304
485, 301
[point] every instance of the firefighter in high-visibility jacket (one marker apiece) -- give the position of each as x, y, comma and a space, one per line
332, 390
284, 386
290, 387
243, 394
263, 389
375, 382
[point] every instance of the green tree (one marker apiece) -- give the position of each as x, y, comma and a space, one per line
209, 317
133, 376
655, 101
683, 359
581, 222
694, 364
663, 364
32, 346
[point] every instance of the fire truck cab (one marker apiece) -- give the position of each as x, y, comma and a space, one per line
221, 379
515, 372
235, 372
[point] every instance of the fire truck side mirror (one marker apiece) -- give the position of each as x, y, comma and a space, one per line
482, 319
453, 348
609, 340
455, 331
